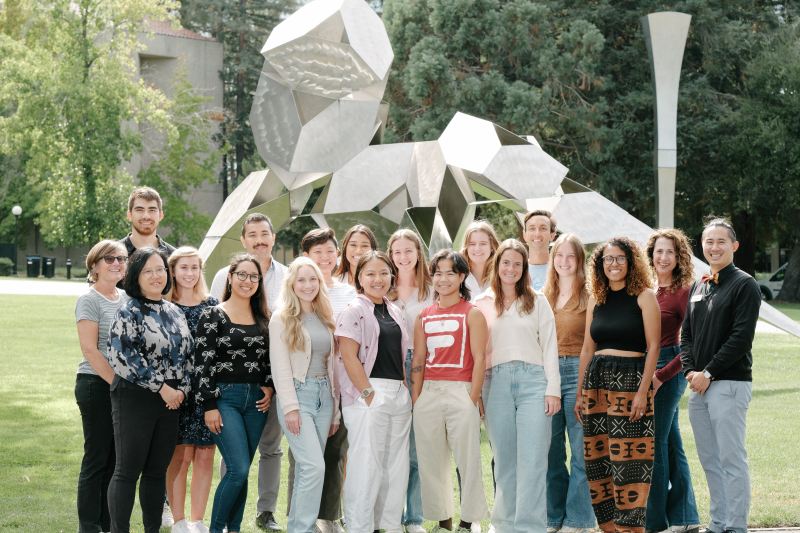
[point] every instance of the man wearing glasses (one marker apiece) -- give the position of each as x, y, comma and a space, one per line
144, 212
258, 238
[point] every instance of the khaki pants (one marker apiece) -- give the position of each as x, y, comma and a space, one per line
446, 421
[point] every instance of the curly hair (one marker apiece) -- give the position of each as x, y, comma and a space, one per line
683, 274
638, 278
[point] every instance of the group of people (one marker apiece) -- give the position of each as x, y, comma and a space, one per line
546, 349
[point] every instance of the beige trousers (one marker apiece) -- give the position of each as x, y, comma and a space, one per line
446, 421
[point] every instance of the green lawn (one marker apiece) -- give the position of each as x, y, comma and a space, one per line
41, 438
790, 310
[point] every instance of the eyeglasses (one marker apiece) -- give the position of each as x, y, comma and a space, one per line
109, 259
149, 273
242, 275
620, 259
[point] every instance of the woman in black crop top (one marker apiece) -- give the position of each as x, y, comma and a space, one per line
614, 401
234, 382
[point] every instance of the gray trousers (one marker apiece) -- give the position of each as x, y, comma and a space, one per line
719, 421
269, 463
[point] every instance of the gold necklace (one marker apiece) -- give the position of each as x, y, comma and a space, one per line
442, 320
381, 310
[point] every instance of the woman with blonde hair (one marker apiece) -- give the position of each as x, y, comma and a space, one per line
302, 352
93, 314
614, 396
521, 389
569, 504
413, 292
480, 245
671, 504
357, 241
195, 442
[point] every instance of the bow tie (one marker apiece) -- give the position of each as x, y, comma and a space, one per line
715, 278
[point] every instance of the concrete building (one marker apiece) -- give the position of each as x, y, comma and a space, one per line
156, 65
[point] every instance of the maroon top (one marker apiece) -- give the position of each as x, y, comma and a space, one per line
673, 309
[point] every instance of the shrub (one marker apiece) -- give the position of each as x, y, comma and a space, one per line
6, 266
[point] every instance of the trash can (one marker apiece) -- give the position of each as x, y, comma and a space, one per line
49, 267
34, 264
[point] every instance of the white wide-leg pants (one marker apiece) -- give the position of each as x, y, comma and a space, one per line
377, 460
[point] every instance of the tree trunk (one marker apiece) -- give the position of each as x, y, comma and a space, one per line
744, 222
790, 291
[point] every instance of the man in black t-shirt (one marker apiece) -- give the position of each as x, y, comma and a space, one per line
716, 343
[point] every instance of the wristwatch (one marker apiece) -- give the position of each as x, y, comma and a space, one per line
366, 392
708, 375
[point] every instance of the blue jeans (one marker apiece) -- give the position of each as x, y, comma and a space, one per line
519, 431
237, 442
671, 501
413, 510
569, 502
308, 449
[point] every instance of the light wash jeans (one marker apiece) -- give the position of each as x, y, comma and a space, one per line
569, 502
719, 421
519, 431
671, 501
308, 448
237, 442
413, 510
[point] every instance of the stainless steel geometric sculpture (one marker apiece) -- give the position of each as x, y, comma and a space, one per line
318, 100
665, 35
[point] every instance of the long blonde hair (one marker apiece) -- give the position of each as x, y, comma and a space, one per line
522, 288
552, 285
424, 282
291, 312
488, 229
200, 288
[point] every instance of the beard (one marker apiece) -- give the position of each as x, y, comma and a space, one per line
144, 232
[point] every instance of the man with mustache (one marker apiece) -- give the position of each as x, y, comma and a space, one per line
258, 238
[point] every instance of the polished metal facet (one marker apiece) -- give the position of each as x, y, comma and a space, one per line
665, 35
318, 101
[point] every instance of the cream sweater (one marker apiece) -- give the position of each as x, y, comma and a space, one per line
288, 366
530, 338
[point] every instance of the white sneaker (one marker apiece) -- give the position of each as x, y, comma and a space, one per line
553, 529
491, 528
567, 529
476, 527
415, 528
325, 526
338, 526
198, 527
181, 526
166, 517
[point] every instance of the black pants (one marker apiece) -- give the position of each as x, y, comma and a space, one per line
145, 433
97, 466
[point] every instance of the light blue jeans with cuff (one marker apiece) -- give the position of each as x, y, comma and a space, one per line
519, 431
308, 448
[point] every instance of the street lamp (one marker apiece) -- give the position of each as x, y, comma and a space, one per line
16, 211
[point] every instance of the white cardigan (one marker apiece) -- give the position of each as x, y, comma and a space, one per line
286, 367
523, 337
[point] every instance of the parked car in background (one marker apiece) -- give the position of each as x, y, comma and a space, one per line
771, 286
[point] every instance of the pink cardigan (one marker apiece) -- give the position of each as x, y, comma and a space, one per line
357, 321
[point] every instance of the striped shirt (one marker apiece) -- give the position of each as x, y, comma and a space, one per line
340, 295
273, 278
97, 308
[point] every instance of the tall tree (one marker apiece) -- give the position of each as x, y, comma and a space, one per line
243, 27
67, 99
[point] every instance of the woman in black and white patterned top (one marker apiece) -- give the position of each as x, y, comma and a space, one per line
234, 382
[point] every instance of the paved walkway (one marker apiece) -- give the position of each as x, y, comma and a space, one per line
42, 287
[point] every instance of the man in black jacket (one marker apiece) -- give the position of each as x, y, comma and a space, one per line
716, 342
